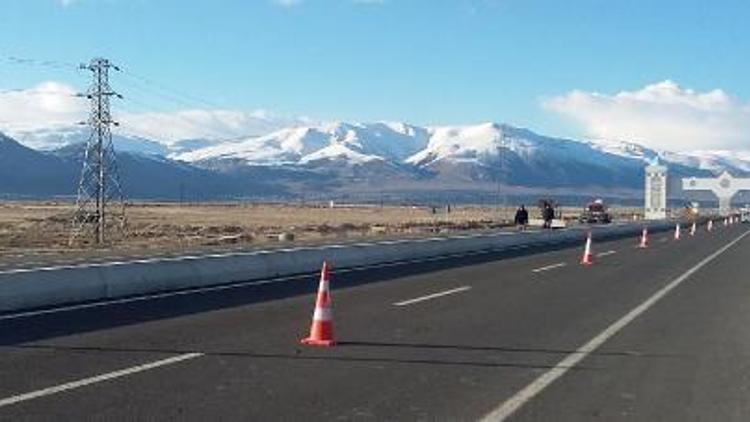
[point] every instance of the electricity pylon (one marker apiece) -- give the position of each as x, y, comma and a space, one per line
100, 206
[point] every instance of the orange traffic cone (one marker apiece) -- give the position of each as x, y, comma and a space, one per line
321, 331
677, 231
710, 225
692, 229
644, 239
588, 257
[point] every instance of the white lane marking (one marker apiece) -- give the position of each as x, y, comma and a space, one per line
93, 380
548, 267
238, 254
146, 298
432, 296
207, 289
607, 253
510, 406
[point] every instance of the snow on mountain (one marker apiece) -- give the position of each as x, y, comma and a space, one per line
625, 149
483, 145
339, 153
356, 141
161, 133
491, 143
713, 161
53, 139
478, 144
286, 146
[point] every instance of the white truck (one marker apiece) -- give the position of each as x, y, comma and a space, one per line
745, 215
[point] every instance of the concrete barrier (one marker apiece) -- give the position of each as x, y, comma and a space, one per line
24, 289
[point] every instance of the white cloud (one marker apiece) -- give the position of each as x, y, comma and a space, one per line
40, 115
47, 105
662, 115
204, 124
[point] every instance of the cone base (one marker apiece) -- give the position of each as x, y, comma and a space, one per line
587, 261
642, 246
317, 342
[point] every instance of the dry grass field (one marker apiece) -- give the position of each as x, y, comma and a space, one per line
29, 229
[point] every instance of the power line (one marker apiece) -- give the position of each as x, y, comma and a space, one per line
173, 94
100, 206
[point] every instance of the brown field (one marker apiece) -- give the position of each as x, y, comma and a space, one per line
33, 229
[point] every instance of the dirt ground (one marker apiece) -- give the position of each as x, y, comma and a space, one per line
29, 229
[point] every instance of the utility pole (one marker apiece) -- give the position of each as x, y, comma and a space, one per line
100, 205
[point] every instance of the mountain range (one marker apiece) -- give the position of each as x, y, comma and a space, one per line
343, 158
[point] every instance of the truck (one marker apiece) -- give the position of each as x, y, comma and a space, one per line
595, 212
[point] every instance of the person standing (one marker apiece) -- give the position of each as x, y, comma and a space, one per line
522, 218
548, 214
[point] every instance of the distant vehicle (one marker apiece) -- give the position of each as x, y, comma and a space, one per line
745, 215
595, 213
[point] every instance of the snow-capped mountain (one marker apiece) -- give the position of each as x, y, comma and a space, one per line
483, 152
350, 143
341, 157
155, 133
52, 139
715, 161
25, 172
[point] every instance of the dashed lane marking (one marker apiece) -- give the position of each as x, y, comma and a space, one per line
96, 379
207, 289
606, 253
548, 267
508, 407
432, 296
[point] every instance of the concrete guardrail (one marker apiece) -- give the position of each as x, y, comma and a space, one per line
22, 289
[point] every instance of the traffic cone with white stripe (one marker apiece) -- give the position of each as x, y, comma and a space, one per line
644, 239
677, 231
588, 257
710, 225
726, 223
692, 229
321, 331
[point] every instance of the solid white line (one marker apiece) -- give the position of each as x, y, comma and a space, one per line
510, 406
432, 296
238, 254
146, 298
208, 289
548, 267
607, 253
93, 380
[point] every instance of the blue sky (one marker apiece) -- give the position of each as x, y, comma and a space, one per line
421, 61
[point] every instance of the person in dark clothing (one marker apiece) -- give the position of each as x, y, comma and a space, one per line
522, 217
548, 214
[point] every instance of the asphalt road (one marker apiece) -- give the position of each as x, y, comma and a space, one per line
656, 334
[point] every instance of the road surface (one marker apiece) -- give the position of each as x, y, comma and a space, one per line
643, 334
